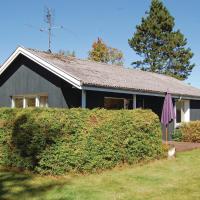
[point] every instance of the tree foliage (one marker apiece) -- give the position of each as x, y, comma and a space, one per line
163, 49
100, 52
115, 56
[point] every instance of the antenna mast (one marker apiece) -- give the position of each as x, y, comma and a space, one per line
49, 20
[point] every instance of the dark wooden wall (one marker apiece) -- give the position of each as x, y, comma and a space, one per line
26, 77
151, 102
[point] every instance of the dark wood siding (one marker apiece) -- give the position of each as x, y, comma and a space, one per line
194, 110
26, 77
151, 102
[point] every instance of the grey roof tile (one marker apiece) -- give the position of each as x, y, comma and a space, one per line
103, 75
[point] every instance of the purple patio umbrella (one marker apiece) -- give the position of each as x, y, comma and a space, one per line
167, 113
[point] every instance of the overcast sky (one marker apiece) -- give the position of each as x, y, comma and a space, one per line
85, 20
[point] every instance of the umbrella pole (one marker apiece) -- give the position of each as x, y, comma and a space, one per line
166, 135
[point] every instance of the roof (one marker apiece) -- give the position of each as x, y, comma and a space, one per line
98, 75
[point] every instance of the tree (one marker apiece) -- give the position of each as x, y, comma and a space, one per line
100, 52
163, 49
115, 56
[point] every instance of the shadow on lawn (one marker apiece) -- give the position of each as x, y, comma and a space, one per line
19, 186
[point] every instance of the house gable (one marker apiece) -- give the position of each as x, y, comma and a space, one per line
25, 77
72, 80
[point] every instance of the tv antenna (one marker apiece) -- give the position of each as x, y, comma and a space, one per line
48, 18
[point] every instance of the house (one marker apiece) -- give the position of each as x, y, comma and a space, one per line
32, 78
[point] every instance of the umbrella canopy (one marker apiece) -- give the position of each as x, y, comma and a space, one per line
168, 113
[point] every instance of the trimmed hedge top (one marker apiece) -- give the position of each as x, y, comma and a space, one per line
56, 141
190, 131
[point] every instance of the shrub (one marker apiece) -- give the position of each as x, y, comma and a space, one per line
56, 141
177, 135
191, 131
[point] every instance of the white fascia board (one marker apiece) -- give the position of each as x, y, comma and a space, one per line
9, 61
75, 82
184, 97
123, 91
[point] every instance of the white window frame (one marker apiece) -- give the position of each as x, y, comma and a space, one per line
185, 112
25, 97
37, 101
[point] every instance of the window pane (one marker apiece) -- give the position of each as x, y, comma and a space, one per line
30, 102
112, 103
179, 107
178, 116
18, 102
44, 101
126, 103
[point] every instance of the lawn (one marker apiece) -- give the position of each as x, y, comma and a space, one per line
165, 179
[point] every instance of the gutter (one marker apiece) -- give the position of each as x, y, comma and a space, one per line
138, 92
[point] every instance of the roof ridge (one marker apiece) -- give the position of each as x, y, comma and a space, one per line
75, 58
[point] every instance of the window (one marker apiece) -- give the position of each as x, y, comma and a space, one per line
30, 102
43, 101
18, 102
182, 111
179, 111
27, 101
117, 103
113, 103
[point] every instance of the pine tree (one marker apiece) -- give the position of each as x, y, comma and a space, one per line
163, 49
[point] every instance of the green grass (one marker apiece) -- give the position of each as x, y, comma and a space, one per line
164, 179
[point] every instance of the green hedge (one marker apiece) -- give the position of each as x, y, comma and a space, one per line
177, 135
190, 131
56, 141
